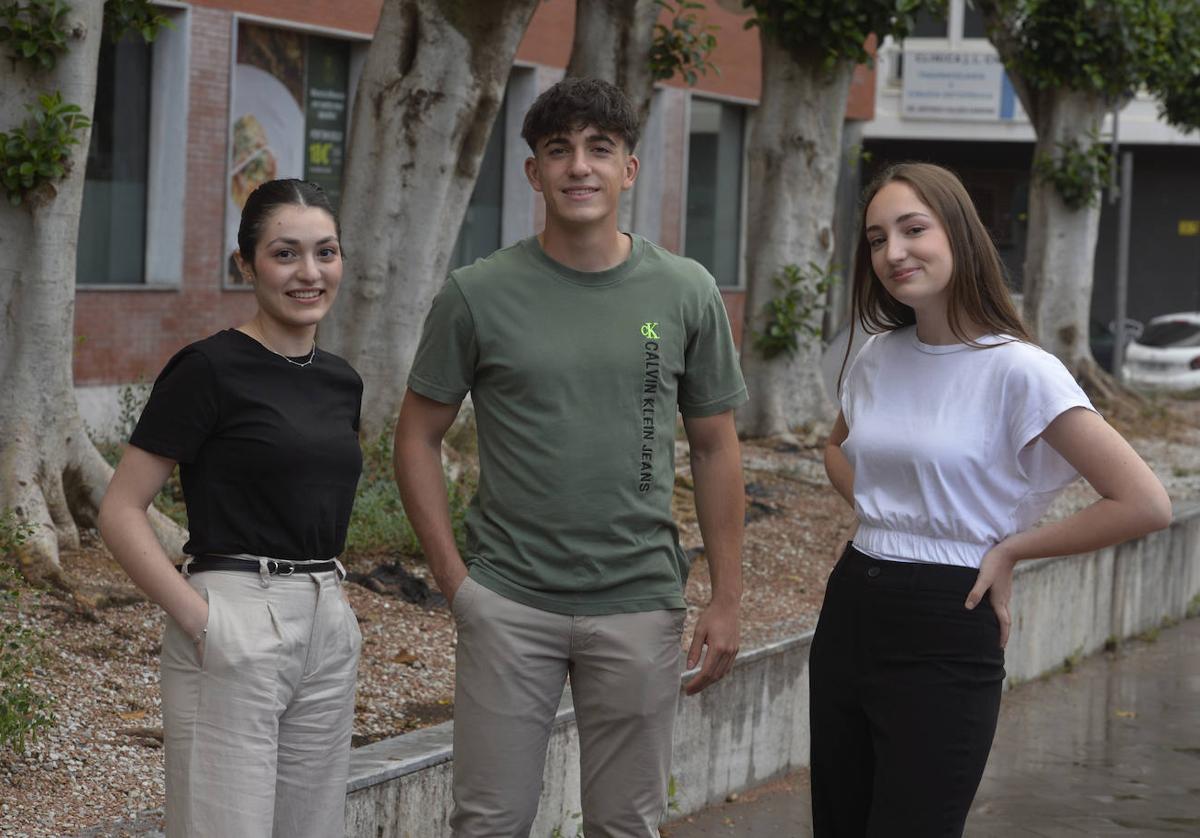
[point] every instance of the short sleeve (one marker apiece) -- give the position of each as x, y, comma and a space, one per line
182, 411
1037, 390
851, 383
712, 380
444, 366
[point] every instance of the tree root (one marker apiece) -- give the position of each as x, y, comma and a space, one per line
1105, 391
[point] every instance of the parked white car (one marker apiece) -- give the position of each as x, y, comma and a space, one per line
1166, 356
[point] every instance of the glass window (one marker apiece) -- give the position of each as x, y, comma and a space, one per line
112, 223
714, 188
973, 25
928, 25
479, 234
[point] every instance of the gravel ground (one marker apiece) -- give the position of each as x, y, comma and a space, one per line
98, 771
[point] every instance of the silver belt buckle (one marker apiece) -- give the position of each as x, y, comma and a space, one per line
281, 568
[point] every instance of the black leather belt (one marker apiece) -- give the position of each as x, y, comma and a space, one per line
276, 567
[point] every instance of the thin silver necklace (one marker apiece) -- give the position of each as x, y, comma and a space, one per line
311, 357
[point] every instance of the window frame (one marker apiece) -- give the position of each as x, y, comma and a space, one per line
748, 106
166, 166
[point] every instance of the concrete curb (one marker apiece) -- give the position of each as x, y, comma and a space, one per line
753, 725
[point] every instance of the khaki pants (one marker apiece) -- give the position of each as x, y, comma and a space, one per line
257, 737
512, 662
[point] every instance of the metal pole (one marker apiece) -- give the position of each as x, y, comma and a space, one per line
1122, 289
1113, 193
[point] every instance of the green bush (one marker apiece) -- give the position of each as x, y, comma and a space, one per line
132, 398
23, 710
791, 317
378, 522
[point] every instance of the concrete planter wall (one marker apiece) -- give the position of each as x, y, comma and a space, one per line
753, 725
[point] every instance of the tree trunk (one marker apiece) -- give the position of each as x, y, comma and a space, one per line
51, 475
429, 93
1060, 253
612, 42
794, 156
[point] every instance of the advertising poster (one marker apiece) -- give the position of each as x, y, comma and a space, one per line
287, 117
327, 82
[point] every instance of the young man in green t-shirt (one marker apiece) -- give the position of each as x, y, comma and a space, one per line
577, 346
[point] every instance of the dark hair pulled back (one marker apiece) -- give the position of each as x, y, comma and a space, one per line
269, 197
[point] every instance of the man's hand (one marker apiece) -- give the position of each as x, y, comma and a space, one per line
717, 629
995, 574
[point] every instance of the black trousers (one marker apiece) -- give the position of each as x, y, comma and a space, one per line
905, 691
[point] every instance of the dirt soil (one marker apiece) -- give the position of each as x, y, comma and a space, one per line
98, 771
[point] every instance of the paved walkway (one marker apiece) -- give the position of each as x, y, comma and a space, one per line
1111, 748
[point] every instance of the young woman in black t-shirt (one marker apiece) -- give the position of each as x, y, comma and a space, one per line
260, 653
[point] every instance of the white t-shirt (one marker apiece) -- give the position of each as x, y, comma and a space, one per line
944, 444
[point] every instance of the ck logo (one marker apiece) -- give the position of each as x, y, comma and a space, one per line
649, 330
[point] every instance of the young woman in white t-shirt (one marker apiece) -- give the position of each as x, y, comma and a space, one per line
956, 431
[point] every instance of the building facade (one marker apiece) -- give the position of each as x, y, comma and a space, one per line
942, 97
243, 90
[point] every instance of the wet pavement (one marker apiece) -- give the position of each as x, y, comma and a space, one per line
1109, 748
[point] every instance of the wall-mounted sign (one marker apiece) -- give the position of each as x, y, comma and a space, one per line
944, 84
1189, 226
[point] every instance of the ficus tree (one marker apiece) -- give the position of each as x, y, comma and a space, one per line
1071, 62
51, 475
809, 51
430, 90
635, 43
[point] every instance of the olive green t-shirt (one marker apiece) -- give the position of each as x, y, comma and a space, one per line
576, 378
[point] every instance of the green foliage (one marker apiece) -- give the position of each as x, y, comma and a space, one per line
1105, 47
672, 794
140, 16
560, 832
39, 151
683, 47
1077, 173
378, 521
36, 31
13, 533
790, 318
131, 399
23, 710
1177, 79
835, 31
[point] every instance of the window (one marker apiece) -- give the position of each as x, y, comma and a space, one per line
714, 189
928, 25
287, 114
973, 24
479, 234
112, 224
132, 219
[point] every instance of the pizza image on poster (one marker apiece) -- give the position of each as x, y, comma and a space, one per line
254, 162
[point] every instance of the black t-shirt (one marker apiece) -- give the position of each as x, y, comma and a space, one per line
268, 451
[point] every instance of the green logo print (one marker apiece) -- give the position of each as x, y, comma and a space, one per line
648, 330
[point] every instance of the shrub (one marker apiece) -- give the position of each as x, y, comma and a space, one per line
378, 522
23, 710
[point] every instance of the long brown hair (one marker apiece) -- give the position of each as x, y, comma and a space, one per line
978, 292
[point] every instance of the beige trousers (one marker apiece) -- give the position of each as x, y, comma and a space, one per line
512, 662
257, 736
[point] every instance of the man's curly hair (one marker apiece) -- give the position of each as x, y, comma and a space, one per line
576, 102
